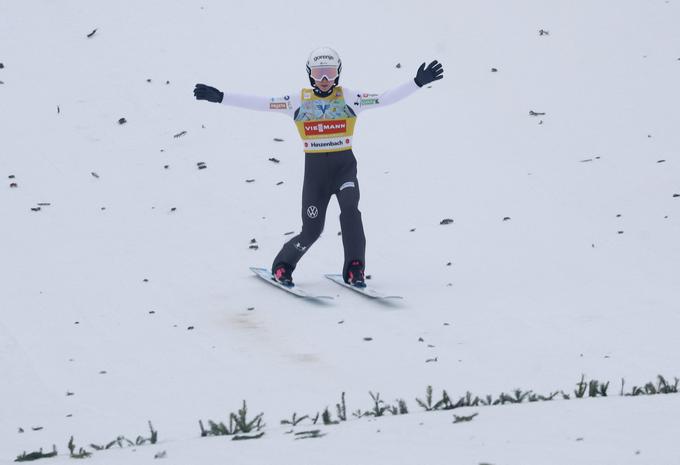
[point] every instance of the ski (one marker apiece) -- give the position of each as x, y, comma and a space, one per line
366, 291
295, 290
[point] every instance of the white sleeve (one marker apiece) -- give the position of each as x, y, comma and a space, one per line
360, 100
286, 104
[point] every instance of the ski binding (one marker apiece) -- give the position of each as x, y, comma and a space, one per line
266, 274
366, 291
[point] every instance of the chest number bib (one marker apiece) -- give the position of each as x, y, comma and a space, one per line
325, 124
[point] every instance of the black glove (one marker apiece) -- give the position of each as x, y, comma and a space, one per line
203, 92
433, 72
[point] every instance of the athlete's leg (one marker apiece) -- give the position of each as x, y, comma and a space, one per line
353, 238
316, 194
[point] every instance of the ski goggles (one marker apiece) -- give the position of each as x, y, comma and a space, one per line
328, 72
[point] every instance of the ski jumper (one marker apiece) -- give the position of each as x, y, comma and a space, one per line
326, 127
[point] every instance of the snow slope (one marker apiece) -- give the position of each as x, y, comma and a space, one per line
579, 279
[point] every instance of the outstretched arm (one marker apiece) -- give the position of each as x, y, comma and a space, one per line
364, 101
286, 104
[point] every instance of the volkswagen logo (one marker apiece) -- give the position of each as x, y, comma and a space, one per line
312, 211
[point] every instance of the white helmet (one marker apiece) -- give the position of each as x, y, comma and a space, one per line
324, 59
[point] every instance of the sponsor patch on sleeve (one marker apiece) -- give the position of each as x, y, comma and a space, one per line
369, 100
278, 105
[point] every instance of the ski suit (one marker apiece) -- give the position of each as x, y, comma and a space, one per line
326, 126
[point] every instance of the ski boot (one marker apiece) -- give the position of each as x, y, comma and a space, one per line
355, 274
283, 274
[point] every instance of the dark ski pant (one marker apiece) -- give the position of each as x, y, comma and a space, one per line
327, 174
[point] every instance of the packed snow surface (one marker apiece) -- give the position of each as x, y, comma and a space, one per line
125, 294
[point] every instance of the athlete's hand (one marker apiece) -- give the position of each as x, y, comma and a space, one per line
203, 92
433, 72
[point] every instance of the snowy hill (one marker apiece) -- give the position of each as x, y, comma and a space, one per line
125, 294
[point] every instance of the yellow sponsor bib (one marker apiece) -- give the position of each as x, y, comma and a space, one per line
325, 124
